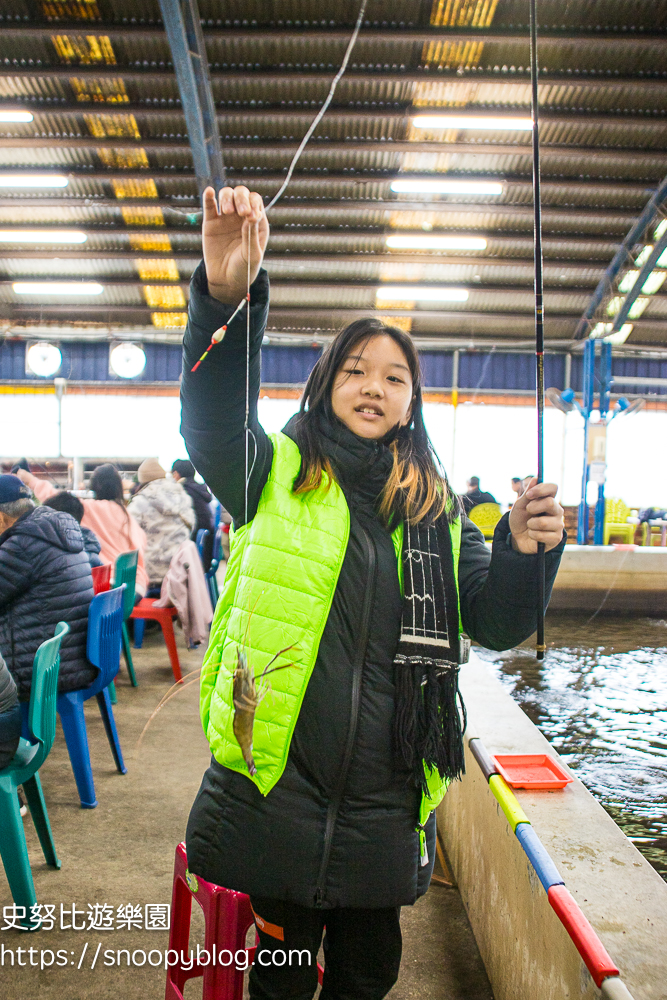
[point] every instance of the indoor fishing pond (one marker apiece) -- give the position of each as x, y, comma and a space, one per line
600, 697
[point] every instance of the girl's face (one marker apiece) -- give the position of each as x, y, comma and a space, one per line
372, 391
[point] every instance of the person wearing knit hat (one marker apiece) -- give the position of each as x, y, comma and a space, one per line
165, 512
149, 470
13, 489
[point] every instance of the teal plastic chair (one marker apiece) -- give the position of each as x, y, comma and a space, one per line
125, 571
22, 770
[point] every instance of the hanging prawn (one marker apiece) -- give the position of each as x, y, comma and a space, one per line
248, 694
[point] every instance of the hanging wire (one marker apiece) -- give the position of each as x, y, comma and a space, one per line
320, 114
219, 334
539, 314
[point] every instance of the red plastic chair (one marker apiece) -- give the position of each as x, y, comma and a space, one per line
101, 578
227, 917
165, 616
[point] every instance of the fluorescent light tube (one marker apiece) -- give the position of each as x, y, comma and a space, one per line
447, 187
497, 124
33, 181
57, 288
436, 242
42, 236
15, 116
420, 293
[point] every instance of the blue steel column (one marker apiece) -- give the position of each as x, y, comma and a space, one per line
186, 41
589, 371
605, 390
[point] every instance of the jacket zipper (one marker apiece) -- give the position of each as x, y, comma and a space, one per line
334, 805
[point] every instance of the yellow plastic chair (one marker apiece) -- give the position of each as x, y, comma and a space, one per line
486, 517
617, 522
654, 528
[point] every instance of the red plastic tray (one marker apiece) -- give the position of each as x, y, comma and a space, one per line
531, 770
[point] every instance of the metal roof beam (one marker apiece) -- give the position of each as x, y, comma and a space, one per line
330, 205
621, 257
394, 36
338, 114
241, 176
312, 77
329, 285
501, 237
186, 41
548, 150
300, 259
635, 291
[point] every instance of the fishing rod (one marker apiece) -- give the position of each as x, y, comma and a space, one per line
539, 313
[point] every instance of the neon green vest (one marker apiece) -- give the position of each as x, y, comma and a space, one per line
280, 581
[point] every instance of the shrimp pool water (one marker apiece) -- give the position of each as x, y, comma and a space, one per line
600, 698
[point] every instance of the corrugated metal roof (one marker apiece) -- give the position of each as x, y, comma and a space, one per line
107, 113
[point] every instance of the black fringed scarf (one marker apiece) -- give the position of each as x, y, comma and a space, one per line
427, 727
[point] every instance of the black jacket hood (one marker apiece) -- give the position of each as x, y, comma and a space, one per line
52, 526
191, 486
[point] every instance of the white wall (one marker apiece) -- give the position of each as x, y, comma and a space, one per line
492, 442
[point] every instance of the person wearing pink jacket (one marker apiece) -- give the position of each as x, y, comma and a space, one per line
106, 515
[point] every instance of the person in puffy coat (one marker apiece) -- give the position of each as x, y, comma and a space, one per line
45, 578
165, 512
105, 516
324, 813
10, 715
72, 505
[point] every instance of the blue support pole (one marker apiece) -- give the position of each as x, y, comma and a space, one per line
589, 373
604, 380
182, 25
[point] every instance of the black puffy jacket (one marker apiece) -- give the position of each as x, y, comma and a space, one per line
338, 828
45, 578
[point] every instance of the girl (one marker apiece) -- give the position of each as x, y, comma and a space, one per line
347, 527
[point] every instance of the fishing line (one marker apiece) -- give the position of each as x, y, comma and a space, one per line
539, 315
219, 334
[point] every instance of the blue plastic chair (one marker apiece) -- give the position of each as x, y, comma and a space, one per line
105, 622
22, 770
202, 535
211, 580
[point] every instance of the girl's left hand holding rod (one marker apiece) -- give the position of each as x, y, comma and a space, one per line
528, 527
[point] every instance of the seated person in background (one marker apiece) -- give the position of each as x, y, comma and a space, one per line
106, 516
475, 496
165, 512
44, 579
70, 504
10, 715
183, 472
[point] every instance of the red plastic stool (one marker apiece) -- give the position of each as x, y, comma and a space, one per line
101, 578
227, 916
165, 616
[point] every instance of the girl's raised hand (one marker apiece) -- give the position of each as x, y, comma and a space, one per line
234, 225
528, 527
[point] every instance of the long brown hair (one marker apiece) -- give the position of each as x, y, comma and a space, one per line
417, 488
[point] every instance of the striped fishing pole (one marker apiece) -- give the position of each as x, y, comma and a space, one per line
539, 312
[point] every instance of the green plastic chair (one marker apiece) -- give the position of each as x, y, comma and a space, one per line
486, 517
22, 770
125, 571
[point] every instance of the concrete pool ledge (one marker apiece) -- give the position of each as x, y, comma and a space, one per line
526, 950
627, 579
